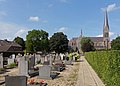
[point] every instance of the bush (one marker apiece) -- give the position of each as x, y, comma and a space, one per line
107, 65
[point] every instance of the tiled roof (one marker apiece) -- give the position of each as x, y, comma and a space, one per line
96, 39
5, 45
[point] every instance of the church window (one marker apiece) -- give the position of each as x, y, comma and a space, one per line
106, 34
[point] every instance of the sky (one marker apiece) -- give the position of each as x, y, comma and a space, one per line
17, 17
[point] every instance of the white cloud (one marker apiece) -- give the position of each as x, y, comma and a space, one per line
20, 32
10, 31
100, 35
34, 18
111, 7
110, 34
63, 29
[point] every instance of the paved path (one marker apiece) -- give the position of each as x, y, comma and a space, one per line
87, 76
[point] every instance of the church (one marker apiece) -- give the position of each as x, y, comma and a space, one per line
99, 42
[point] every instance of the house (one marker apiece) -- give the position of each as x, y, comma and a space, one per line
9, 46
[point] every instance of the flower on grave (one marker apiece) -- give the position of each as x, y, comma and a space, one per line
32, 81
42, 81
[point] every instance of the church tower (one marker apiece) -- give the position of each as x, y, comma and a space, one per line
106, 37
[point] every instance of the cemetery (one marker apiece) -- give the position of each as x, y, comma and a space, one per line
37, 69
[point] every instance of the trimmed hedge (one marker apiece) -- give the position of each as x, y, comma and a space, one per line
107, 66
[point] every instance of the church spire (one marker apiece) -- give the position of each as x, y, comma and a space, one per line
106, 20
81, 33
106, 38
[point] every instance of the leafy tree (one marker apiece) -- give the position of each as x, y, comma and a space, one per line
37, 40
59, 42
86, 44
115, 44
20, 41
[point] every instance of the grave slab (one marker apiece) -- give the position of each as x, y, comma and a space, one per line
15, 81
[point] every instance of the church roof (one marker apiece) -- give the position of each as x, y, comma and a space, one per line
96, 39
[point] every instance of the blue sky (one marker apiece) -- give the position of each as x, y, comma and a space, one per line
17, 17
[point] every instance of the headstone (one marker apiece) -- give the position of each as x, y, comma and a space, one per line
44, 72
10, 60
58, 66
18, 57
47, 61
37, 58
51, 60
68, 61
62, 55
1, 60
42, 60
15, 81
23, 66
13, 56
46, 58
74, 58
31, 62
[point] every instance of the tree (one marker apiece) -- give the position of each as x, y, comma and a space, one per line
59, 42
86, 44
37, 40
115, 44
20, 41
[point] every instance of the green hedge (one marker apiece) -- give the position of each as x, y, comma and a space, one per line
107, 66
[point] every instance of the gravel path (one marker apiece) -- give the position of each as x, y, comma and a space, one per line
67, 77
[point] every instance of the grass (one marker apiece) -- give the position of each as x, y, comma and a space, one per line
13, 65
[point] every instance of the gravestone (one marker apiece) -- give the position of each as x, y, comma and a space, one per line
13, 56
44, 72
31, 62
51, 60
68, 61
42, 60
46, 61
18, 57
74, 58
62, 56
15, 81
11, 60
23, 66
58, 65
1, 60
37, 58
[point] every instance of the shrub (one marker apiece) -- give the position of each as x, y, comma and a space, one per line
107, 65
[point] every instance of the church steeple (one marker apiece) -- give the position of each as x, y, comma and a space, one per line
81, 33
106, 26
106, 38
106, 20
